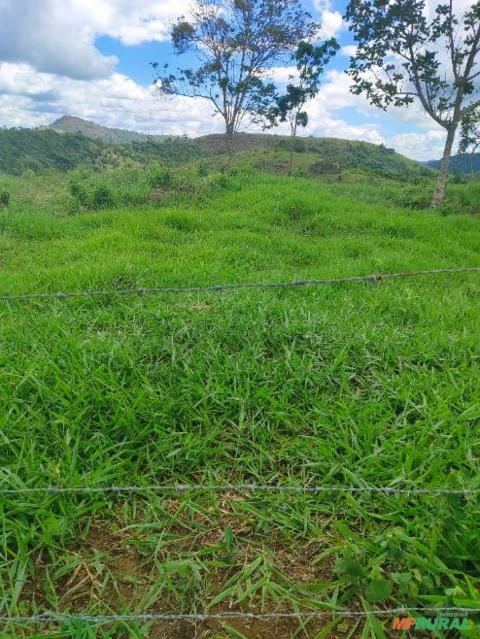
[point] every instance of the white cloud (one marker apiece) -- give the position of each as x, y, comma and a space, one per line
349, 50
33, 99
59, 36
282, 75
337, 128
460, 6
422, 146
52, 38
332, 24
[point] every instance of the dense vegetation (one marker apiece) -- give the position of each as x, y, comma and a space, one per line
346, 386
41, 150
461, 164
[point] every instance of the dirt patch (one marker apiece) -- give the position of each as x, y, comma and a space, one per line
112, 571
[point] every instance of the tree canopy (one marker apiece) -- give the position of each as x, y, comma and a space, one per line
235, 44
408, 52
310, 61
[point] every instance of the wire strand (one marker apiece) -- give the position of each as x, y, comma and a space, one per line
238, 488
50, 616
376, 278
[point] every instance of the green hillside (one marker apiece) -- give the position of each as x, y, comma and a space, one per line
40, 150
44, 149
352, 385
71, 124
317, 156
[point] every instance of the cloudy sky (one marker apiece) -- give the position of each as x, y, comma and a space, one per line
90, 58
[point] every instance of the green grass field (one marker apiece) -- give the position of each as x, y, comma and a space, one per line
351, 385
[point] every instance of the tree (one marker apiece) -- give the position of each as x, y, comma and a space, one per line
405, 56
310, 62
235, 44
470, 136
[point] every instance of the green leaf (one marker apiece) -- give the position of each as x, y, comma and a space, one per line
233, 632
350, 566
376, 628
229, 539
401, 578
378, 590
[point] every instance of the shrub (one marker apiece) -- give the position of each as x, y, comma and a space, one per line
202, 170
414, 199
299, 172
456, 178
4, 198
79, 193
102, 197
220, 180
160, 178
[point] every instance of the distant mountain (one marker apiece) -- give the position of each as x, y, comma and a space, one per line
71, 124
462, 164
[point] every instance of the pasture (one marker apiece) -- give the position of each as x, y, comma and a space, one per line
353, 385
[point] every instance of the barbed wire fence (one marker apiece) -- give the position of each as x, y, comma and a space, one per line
219, 288
327, 610
54, 616
240, 488
50, 616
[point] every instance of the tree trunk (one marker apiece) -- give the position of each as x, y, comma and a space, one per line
229, 144
293, 138
441, 188
290, 164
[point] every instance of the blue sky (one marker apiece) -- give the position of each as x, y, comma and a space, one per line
90, 58
134, 60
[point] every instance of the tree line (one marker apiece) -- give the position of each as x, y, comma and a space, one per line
407, 52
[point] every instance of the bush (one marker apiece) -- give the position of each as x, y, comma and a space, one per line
456, 178
224, 181
160, 179
299, 172
202, 170
79, 193
414, 199
4, 198
102, 197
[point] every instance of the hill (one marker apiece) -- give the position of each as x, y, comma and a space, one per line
71, 124
86, 143
317, 156
461, 164
40, 150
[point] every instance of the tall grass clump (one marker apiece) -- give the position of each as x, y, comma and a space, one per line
5, 198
